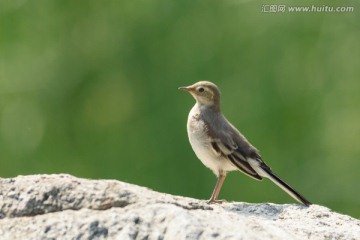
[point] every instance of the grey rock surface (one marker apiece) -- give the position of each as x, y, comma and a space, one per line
66, 207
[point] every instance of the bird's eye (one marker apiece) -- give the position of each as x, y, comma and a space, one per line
201, 89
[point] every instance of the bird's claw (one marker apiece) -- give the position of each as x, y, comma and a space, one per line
215, 201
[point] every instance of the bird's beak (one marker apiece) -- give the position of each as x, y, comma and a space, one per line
188, 89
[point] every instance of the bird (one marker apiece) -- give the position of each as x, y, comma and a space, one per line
221, 147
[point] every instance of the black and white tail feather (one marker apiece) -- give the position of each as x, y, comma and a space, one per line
263, 170
253, 165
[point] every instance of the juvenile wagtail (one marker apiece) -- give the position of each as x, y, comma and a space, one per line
220, 146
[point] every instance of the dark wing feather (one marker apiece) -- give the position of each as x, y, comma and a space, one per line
229, 143
231, 152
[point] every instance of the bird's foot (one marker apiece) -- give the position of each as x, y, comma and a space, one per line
215, 201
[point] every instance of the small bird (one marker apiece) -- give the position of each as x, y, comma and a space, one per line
220, 146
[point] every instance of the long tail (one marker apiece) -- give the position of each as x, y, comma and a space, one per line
263, 170
287, 188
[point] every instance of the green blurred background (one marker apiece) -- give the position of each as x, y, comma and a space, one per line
89, 88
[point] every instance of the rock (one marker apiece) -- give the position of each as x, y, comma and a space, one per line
66, 207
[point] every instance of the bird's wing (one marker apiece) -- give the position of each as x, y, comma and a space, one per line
228, 142
226, 147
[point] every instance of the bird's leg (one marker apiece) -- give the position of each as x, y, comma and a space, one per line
217, 188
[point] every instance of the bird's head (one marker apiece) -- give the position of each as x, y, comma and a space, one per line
205, 93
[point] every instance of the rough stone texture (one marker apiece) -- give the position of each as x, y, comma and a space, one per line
66, 207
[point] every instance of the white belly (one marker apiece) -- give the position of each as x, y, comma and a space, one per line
201, 145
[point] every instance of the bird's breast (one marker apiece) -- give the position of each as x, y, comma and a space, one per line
201, 144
